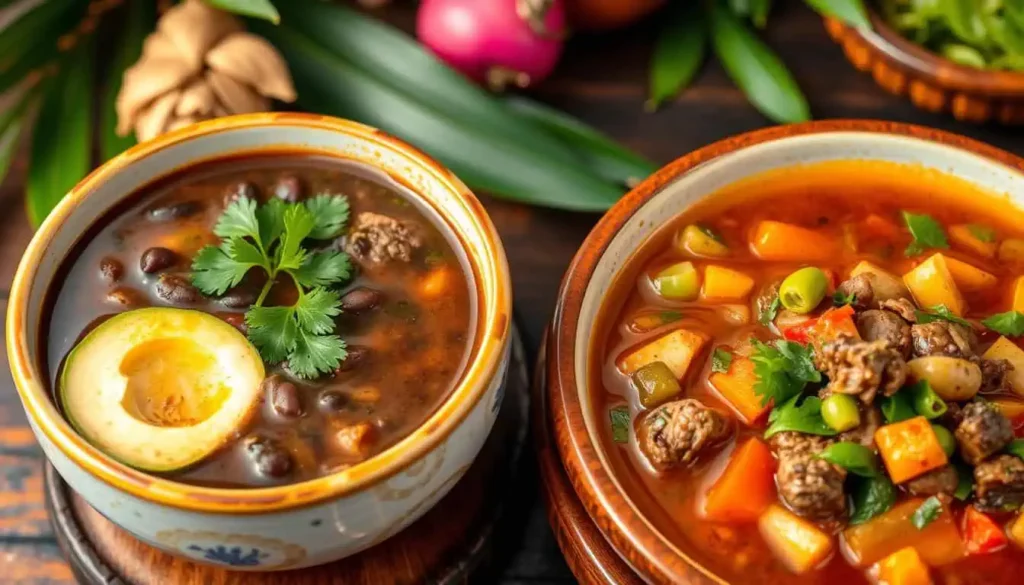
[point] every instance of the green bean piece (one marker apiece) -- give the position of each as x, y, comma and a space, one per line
679, 282
840, 412
655, 383
925, 401
803, 290
945, 439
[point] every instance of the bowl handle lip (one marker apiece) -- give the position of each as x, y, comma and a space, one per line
647, 549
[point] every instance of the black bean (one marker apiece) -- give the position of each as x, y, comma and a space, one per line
269, 457
332, 400
111, 269
176, 289
156, 259
356, 355
174, 211
236, 320
238, 297
288, 188
126, 297
361, 299
240, 190
284, 396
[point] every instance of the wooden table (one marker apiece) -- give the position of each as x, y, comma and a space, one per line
601, 80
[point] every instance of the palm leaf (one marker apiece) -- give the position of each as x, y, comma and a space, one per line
139, 19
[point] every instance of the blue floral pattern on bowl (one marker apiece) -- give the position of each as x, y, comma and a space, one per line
233, 556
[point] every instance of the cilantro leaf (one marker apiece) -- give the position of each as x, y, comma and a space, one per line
927, 233
871, 496
243, 251
782, 370
801, 365
839, 298
214, 271
720, 360
769, 313
926, 513
298, 223
330, 213
853, 457
314, 354
619, 417
271, 219
1010, 323
315, 311
794, 415
324, 268
982, 232
939, 313
273, 330
238, 220
964, 483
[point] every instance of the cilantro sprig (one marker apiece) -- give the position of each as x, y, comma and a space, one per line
782, 370
270, 238
1009, 323
939, 313
927, 233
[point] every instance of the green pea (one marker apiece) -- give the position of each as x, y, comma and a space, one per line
803, 290
945, 438
840, 412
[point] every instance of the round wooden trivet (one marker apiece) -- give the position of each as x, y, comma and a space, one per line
592, 560
444, 547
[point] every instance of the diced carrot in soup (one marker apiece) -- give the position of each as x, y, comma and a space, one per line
965, 236
775, 240
1011, 251
677, 350
435, 283
938, 542
969, 277
903, 567
932, 284
721, 283
800, 545
1004, 349
1018, 295
746, 487
909, 448
737, 388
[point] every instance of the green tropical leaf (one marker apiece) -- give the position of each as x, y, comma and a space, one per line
30, 42
678, 53
852, 12
139, 19
756, 69
254, 8
62, 140
602, 155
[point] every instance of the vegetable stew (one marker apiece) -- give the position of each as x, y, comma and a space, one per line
815, 376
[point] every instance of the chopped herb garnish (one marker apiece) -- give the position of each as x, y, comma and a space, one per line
769, 313
269, 238
1016, 447
839, 298
926, 513
711, 233
898, 407
620, 424
853, 457
939, 313
782, 370
803, 416
1009, 323
871, 496
965, 482
927, 233
720, 360
982, 232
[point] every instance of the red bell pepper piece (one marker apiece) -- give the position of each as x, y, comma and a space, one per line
981, 534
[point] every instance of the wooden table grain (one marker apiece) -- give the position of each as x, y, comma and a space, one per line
601, 80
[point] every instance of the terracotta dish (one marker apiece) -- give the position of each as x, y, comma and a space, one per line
931, 82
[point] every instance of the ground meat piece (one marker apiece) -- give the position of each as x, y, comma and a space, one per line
764, 300
982, 431
860, 287
811, 487
952, 417
864, 434
943, 338
999, 484
377, 238
994, 376
861, 368
902, 307
875, 324
677, 432
937, 482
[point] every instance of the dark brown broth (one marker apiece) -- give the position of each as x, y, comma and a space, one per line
418, 346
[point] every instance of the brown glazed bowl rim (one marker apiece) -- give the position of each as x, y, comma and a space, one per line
632, 536
945, 73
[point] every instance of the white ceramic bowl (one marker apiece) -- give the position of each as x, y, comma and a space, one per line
307, 523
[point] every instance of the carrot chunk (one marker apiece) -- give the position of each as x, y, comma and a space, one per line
737, 388
721, 283
938, 542
774, 240
969, 277
966, 237
909, 448
746, 487
903, 567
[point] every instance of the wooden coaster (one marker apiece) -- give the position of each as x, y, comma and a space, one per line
444, 547
592, 560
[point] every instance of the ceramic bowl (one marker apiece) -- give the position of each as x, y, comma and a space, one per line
663, 196
306, 523
931, 82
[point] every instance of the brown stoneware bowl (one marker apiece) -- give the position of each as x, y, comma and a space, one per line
612, 500
931, 82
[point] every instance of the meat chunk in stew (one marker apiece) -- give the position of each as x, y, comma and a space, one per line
994, 378
902, 307
810, 486
859, 289
861, 368
864, 434
937, 482
678, 432
377, 238
982, 431
876, 324
943, 338
999, 484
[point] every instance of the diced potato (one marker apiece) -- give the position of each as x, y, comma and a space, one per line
909, 448
775, 240
736, 314
964, 236
903, 567
1016, 530
938, 543
737, 388
800, 545
884, 284
932, 284
677, 350
1004, 349
1011, 251
694, 240
951, 378
968, 277
725, 284
1018, 295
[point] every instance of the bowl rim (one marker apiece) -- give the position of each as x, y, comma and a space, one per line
484, 364
634, 539
950, 75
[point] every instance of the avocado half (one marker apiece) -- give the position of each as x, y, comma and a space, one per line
160, 389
